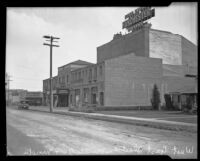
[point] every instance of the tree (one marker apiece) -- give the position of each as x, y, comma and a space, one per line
155, 100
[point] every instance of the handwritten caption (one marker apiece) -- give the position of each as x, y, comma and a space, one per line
164, 150
149, 150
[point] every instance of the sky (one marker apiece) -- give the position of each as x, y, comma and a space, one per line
81, 30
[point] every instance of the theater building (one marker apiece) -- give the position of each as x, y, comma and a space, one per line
126, 70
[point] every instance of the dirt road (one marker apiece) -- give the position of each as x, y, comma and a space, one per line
47, 134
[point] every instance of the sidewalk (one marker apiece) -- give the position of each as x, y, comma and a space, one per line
148, 122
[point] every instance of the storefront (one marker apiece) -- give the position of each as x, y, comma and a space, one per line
63, 97
34, 98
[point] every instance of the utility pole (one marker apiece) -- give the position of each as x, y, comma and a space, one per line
50, 39
8, 88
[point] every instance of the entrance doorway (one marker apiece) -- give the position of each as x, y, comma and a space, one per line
77, 97
94, 95
63, 100
94, 98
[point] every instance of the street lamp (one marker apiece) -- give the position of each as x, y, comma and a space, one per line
51, 38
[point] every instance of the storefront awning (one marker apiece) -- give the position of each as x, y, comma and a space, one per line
62, 91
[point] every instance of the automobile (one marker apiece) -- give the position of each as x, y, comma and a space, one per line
23, 105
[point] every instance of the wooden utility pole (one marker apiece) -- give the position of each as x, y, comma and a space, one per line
51, 38
8, 88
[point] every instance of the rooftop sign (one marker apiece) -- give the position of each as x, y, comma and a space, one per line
136, 19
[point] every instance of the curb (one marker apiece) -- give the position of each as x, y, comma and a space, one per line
151, 124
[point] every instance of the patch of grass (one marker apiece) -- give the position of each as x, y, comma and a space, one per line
82, 109
108, 108
122, 108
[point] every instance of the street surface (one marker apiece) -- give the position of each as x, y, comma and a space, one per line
38, 133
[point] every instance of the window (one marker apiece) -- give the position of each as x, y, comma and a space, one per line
90, 74
67, 78
86, 94
101, 99
100, 70
71, 99
75, 76
95, 73
79, 75
63, 79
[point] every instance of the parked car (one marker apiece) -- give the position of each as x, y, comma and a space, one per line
23, 105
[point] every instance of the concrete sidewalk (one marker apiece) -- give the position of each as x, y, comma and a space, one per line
148, 122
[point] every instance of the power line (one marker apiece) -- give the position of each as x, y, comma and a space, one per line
28, 78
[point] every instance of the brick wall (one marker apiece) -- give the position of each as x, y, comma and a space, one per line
129, 80
189, 53
165, 45
173, 84
137, 42
97, 74
174, 70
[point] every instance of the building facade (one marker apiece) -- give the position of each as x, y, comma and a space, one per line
31, 97
126, 70
14, 96
34, 98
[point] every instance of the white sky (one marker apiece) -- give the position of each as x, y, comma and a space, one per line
81, 30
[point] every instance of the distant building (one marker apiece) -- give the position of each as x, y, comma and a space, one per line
126, 70
15, 95
34, 98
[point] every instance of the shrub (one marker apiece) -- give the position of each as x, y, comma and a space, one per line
155, 100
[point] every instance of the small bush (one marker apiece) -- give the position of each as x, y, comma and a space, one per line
155, 101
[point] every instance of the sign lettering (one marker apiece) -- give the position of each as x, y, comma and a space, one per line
135, 19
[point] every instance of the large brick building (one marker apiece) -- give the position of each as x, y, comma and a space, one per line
126, 70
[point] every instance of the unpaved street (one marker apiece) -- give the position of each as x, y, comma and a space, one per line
67, 135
